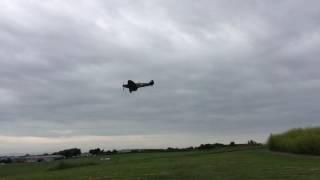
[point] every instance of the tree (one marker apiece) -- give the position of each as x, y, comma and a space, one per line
69, 152
96, 151
252, 142
210, 146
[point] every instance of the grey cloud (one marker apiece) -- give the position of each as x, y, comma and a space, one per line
226, 68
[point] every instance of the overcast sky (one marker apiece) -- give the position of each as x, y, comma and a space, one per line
223, 70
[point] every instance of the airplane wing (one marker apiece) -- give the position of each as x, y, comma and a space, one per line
131, 83
132, 86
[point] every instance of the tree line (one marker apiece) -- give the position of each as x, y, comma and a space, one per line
76, 152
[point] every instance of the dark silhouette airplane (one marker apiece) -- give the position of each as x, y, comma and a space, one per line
132, 86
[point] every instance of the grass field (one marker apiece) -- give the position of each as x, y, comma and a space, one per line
240, 164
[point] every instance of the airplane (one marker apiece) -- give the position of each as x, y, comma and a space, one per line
132, 86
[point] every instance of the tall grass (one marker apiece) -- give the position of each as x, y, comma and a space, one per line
300, 141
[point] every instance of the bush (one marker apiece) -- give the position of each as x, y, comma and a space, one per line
300, 140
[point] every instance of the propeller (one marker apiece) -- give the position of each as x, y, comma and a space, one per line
123, 86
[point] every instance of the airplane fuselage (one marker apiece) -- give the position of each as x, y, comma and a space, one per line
132, 86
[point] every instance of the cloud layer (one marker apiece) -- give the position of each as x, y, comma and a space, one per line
222, 70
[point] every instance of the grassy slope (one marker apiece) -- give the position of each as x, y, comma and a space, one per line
247, 164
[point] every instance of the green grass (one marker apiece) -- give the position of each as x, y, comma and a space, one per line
67, 165
211, 164
301, 141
